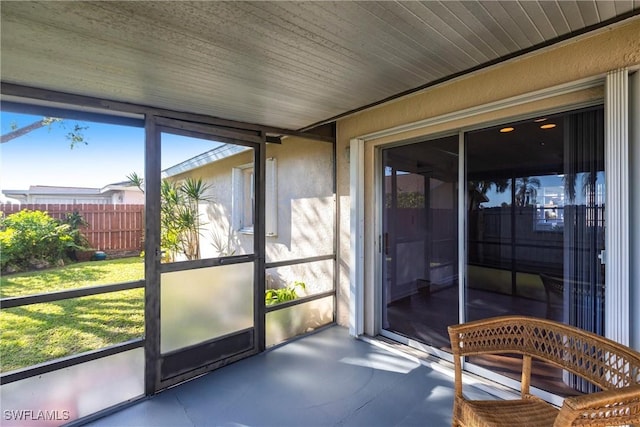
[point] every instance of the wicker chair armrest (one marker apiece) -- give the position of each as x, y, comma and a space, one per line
611, 407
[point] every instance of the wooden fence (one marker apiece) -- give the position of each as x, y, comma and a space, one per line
111, 228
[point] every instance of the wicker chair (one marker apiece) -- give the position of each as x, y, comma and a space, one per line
614, 368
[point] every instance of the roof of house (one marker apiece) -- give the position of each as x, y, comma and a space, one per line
50, 190
211, 156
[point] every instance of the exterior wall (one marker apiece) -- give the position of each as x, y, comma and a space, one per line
305, 200
120, 197
134, 197
218, 237
67, 199
305, 207
585, 57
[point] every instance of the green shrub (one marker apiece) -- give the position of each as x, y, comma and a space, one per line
80, 242
6, 249
289, 293
29, 238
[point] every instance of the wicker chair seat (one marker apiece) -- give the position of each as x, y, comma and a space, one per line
610, 366
530, 412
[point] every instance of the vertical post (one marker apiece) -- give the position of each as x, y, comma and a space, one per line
152, 256
462, 229
634, 162
356, 287
617, 206
259, 226
514, 275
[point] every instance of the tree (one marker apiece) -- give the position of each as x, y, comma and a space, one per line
179, 215
76, 136
136, 180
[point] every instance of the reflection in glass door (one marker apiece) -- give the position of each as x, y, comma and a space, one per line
420, 240
535, 227
208, 266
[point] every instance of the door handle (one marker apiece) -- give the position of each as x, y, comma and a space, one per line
386, 244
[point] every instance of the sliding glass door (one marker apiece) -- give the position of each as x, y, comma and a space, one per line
420, 240
535, 225
533, 233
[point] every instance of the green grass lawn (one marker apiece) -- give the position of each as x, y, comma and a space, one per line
41, 332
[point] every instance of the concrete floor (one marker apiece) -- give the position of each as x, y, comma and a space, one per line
324, 379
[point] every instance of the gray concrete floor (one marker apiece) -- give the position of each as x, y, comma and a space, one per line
324, 379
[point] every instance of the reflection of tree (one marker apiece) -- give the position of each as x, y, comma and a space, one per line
570, 180
413, 199
477, 194
478, 191
526, 190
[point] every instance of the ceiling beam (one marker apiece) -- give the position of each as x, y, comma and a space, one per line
53, 98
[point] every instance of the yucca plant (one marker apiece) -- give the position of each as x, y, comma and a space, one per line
179, 215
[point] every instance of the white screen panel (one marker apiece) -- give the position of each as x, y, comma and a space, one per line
299, 319
61, 396
205, 303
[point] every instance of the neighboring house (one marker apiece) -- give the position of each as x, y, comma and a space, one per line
116, 194
299, 212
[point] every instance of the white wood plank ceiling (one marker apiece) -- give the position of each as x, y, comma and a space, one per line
275, 63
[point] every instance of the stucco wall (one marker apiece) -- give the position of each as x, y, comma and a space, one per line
133, 197
305, 201
585, 57
305, 211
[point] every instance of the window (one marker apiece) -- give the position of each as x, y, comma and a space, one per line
243, 203
243, 198
247, 201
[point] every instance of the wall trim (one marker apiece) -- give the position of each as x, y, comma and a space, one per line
538, 95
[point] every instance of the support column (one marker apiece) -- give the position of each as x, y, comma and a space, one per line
356, 286
617, 285
634, 164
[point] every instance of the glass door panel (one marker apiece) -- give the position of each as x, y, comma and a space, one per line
536, 227
207, 198
420, 240
208, 267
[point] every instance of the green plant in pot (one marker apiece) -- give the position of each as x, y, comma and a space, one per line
79, 248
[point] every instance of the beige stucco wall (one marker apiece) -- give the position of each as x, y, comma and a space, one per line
305, 211
133, 197
306, 206
585, 57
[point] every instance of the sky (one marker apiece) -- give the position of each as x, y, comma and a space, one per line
44, 156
